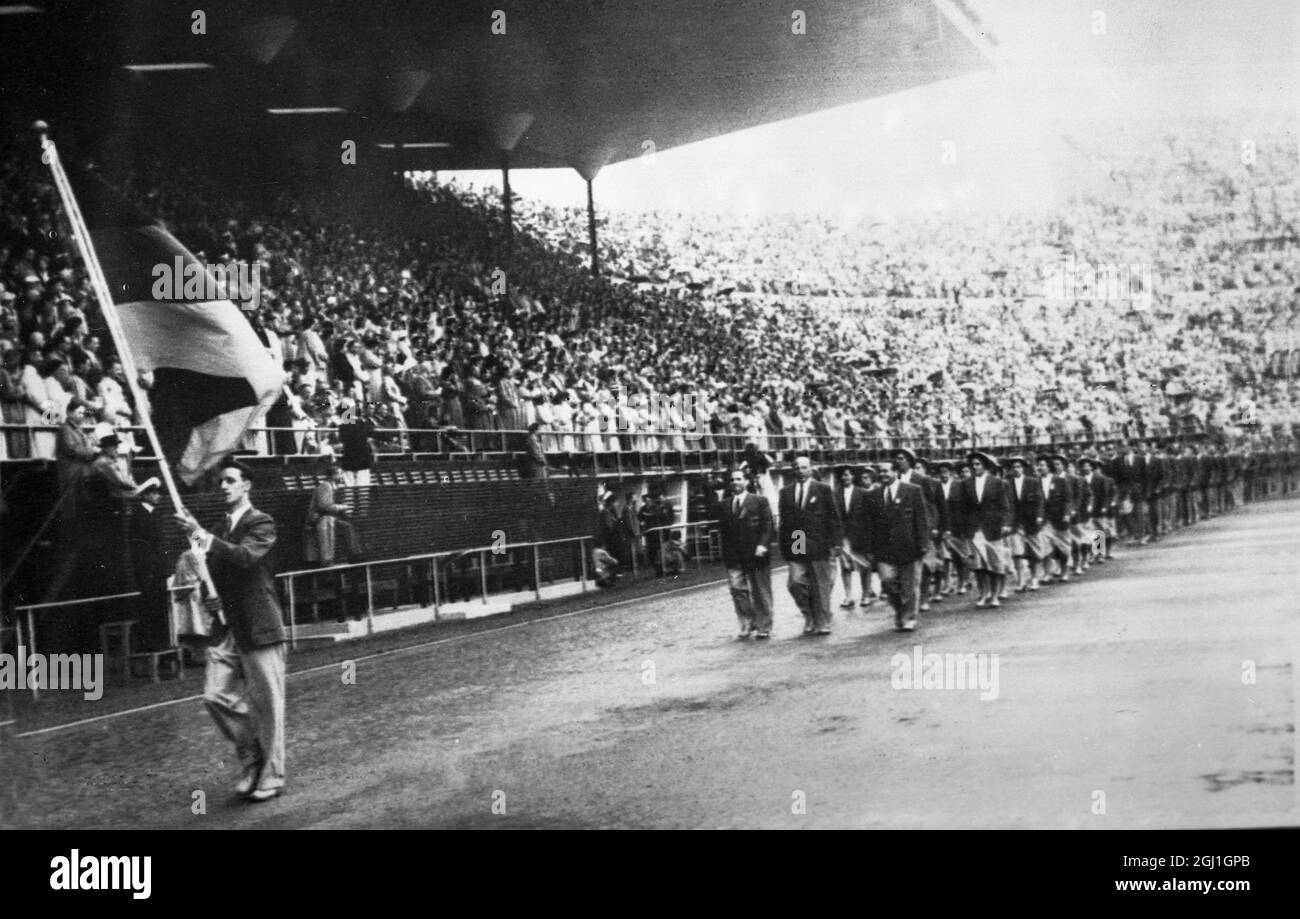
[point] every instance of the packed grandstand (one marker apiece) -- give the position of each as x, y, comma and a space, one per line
789, 331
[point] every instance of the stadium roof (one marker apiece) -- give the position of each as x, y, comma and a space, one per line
569, 83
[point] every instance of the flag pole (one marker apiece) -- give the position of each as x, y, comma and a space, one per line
81, 236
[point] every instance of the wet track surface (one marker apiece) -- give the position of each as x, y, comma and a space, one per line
1127, 684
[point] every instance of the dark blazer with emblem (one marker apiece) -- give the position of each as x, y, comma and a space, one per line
241, 571
1058, 500
1027, 510
818, 520
990, 515
743, 533
898, 532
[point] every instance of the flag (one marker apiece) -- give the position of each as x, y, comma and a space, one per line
212, 376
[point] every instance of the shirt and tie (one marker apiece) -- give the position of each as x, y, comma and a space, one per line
234, 517
979, 488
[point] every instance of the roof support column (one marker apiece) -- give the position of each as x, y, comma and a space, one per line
588, 163
506, 206
505, 132
591, 229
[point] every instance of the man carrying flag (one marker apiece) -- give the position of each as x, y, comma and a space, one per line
212, 377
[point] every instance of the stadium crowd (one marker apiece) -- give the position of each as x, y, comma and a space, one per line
785, 332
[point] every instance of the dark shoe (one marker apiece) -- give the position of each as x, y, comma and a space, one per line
822, 632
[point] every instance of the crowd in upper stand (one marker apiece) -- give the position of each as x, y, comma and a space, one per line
927, 328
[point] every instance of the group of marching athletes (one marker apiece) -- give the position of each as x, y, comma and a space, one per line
1065, 514
915, 532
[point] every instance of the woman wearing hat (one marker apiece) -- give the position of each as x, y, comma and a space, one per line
1059, 510
1026, 540
988, 521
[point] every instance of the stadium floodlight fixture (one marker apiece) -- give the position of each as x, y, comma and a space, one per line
309, 110
161, 68
17, 9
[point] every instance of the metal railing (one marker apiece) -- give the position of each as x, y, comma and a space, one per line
27, 613
480, 556
507, 442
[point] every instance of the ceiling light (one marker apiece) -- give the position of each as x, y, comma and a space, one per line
158, 68
311, 110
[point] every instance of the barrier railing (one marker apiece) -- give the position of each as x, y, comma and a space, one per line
505, 442
434, 580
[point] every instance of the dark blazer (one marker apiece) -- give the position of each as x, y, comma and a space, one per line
932, 491
1058, 500
1153, 481
818, 520
743, 533
897, 532
1082, 495
1027, 510
956, 505
1103, 495
853, 517
1129, 479
990, 515
241, 571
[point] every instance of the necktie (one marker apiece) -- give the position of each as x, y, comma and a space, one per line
799, 497
893, 492
735, 506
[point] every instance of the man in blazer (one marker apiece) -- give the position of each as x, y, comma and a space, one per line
849, 498
937, 510
1153, 483
1129, 470
244, 683
898, 537
811, 534
988, 520
745, 521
